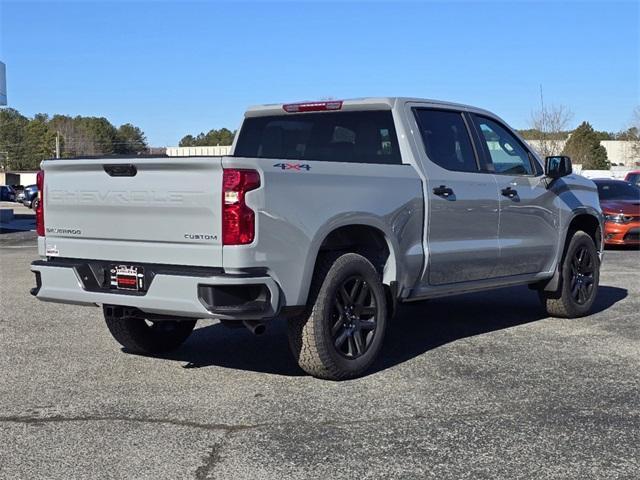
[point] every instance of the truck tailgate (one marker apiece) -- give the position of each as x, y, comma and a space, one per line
146, 210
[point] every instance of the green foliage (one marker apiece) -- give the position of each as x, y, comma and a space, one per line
130, 139
94, 136
602, 135
535, 134
584, 148
224, 136
24, 143
12, 135
29, 141
40, 143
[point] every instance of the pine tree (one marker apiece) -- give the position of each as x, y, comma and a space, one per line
12, 138
130, 140
40, 144
584, 148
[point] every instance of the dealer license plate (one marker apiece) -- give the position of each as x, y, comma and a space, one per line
127, 277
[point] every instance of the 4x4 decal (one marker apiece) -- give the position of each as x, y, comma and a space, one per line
293, 166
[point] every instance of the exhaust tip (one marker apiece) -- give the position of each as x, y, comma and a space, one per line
255, 326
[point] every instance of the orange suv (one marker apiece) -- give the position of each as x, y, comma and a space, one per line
620, 202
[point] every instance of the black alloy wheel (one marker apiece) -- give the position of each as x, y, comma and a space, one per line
582, 270
353, 317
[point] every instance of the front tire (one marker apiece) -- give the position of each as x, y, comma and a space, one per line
579, 279
142, 336
342, 333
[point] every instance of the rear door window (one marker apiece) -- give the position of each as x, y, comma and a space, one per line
446, 139
354, 137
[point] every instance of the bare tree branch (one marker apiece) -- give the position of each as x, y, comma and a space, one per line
552, 122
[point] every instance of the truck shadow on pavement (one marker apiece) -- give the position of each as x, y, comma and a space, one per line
416, 329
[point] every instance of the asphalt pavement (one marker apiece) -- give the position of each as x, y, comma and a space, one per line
474, 386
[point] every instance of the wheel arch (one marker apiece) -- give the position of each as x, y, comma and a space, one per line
586, 220
365, 236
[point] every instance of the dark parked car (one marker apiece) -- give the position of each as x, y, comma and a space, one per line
7, 194
19, 189
30, 196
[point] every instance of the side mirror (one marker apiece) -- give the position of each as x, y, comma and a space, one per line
556, 167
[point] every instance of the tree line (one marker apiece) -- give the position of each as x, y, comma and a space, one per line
224, 136
25, 142
534, 134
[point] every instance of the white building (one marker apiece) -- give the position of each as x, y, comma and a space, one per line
18, 178
212, 151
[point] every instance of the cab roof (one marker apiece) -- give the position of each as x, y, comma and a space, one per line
355, 104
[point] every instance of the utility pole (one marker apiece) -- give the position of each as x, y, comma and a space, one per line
57, 144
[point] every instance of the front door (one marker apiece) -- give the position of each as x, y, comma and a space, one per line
462, 214
528, 231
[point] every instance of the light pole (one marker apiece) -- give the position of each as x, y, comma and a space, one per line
3, 84
4, 164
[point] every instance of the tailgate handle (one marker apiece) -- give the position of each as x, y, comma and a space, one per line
121, 170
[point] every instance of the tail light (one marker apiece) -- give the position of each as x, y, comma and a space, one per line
40, 205
238, 220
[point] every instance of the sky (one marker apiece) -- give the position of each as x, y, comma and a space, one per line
177, 67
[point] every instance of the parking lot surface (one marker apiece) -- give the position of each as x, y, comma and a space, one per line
475, 386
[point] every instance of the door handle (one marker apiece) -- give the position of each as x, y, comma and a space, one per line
509, 192
443, 191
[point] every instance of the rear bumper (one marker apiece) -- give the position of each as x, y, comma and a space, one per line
180, 292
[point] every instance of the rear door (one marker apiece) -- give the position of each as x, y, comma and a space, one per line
144, 210
528, 217
462, 219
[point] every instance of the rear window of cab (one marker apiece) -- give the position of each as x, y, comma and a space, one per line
352, 137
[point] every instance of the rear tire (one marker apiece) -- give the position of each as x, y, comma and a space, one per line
579, 279
142, 336
341, 334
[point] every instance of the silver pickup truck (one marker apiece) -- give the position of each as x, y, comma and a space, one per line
326, 213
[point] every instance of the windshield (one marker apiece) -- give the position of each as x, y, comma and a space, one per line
618, 191
634, 178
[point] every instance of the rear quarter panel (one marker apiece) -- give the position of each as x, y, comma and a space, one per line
297, 209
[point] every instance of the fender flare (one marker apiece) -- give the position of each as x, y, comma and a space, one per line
391, 274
